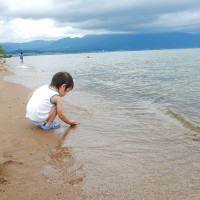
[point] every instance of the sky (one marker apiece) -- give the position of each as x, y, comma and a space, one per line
28, 20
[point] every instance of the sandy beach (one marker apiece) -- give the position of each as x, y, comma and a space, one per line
23, 148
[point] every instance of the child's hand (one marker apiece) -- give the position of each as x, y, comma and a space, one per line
73, 122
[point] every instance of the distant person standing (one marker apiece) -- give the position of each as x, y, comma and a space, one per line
21, 57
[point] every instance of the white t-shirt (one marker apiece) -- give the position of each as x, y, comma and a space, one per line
40, 103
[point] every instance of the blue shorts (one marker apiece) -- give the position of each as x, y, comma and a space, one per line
39, 123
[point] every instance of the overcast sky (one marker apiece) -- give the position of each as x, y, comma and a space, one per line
27, 20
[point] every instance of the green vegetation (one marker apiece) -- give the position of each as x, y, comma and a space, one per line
3, 53
184, 121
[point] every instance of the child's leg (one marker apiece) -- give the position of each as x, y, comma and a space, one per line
52, 116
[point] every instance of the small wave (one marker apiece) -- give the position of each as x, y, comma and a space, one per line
86, 112
29, 68
23, 67
186, 123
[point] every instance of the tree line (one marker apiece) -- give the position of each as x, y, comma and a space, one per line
3, 53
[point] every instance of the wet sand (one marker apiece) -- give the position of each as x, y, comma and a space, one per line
23, 147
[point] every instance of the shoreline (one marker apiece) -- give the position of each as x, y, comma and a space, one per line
23, 148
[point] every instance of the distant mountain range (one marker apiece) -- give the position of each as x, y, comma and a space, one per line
108, 42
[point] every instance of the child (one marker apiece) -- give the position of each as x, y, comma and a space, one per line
45, 104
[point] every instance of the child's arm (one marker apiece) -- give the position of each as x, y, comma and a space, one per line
57, 100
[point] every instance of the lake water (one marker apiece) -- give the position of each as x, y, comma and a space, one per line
139, 135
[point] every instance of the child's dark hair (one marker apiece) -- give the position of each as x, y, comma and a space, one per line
61, 78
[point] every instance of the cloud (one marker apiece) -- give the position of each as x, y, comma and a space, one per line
180, 21
22, 20
28, 30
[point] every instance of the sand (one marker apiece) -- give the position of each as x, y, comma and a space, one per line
23, 148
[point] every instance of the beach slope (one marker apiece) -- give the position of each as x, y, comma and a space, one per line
23, 148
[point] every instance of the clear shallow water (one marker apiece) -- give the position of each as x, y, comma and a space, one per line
127, 145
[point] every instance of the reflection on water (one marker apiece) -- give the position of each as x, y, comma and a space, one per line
60, 166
